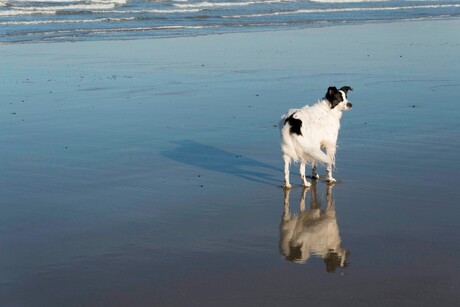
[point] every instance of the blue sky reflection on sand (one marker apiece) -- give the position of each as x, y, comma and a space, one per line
104, 203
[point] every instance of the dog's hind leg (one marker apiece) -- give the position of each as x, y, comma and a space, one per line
305, 183
287, 163
314, 173
329, 177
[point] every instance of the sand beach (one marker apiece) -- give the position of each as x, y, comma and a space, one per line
148, 172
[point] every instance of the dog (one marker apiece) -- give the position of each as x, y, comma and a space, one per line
312, 232
305, 131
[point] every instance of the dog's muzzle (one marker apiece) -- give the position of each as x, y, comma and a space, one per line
349, 105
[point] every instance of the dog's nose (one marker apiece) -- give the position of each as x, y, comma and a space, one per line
349, 105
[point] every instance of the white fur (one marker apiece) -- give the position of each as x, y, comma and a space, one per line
320, 129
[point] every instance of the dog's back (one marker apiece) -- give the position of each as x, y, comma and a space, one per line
301, 135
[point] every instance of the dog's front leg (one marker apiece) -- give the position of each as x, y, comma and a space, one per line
331, 154
314, 173
287, 163
305, 183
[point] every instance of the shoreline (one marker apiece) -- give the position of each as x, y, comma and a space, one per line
250, 31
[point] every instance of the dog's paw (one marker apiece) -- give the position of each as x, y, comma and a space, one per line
306, 184
331, 180
314, 176
287, 186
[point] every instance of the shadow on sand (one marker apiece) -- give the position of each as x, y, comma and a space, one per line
218, 160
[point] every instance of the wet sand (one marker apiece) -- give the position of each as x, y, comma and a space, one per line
148, 173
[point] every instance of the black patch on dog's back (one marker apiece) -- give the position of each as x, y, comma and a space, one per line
295, 124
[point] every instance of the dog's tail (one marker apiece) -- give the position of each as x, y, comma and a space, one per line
317, 155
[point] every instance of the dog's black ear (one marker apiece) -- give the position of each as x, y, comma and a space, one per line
331, 91
345, 89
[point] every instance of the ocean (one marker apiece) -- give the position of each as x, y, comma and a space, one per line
76, 20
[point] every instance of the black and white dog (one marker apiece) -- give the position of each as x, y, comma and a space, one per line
305, 131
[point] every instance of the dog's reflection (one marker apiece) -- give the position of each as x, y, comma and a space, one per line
312, 232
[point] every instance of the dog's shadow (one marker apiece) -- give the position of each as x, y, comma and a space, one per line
313, 231
215, 159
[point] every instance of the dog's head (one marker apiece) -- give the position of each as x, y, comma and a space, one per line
336, 259
338, 98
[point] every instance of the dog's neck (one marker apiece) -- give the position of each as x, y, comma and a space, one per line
325, 105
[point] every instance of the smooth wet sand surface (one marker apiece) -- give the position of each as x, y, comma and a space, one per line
148, 173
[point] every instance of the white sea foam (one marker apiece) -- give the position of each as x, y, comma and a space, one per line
50, 10
88, 7
355, 9
25, 13
73, 7
112, 30
224, 4
12, 2
166, 11
101, 11
347, 1
65, 21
